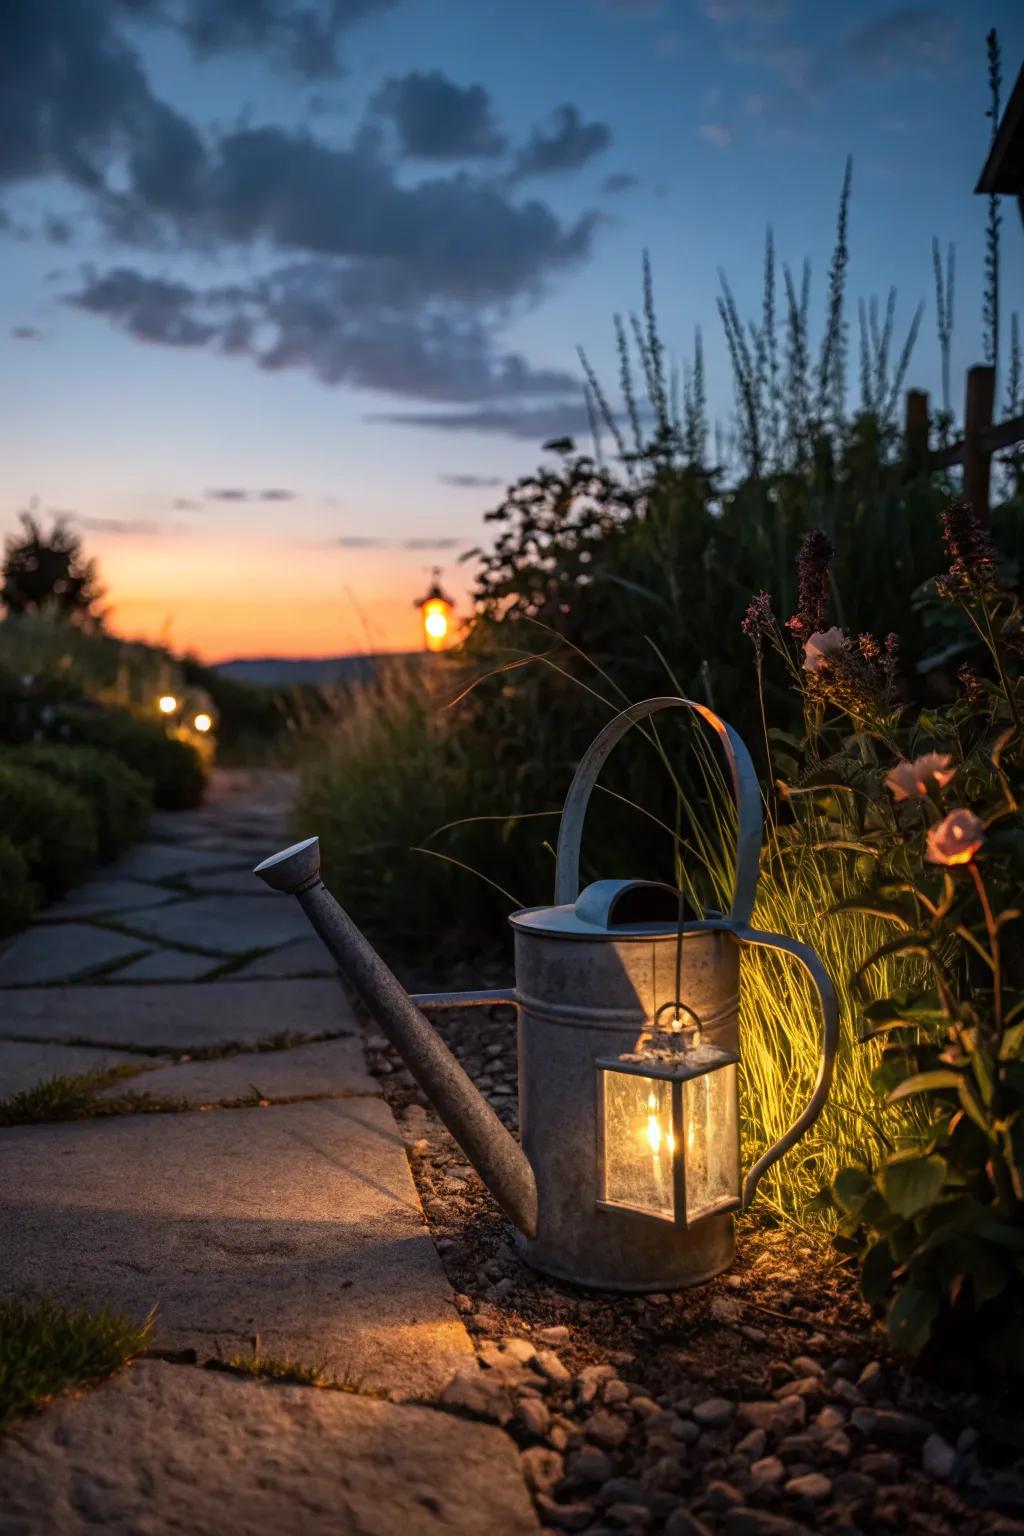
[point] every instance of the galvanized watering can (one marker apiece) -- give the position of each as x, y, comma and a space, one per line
629, 1170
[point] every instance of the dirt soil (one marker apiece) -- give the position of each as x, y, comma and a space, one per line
762, 1403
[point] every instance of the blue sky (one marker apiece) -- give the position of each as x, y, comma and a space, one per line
293, 287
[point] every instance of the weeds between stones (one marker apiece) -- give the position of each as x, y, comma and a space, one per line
47, 1349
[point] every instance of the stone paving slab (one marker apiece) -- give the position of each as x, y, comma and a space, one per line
235, 882
227, 925
166, 965
103, 896
61, 952
162, 861
177, 1017
329, 1067
303, 957
165, 1450
299, 1224
23, 1064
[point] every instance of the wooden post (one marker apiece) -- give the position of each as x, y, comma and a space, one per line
915, 434
978, 405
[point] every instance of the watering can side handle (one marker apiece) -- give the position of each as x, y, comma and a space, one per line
744, 784
829, 1046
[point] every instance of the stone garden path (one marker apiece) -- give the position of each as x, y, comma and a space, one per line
269, 1209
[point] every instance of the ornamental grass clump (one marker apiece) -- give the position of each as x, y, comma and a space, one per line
922, 808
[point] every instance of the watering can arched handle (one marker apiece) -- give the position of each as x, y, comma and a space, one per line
744, 785
829, 1046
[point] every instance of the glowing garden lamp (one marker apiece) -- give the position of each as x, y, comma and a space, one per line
167, 703
436, 610
203, 722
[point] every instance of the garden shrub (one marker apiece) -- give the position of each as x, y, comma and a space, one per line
120, 797
17, 894
52, 826
174, 768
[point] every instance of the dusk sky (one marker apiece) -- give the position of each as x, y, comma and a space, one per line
294, 287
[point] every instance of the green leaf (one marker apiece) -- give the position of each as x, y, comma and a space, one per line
925, 1082
913, 1183
876, 1272
850, 1188
910, 1319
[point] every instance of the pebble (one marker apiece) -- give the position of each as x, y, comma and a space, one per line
883, 1466
634, 1517
760, 1522
853, 1488
714, 1412
938, 1458
720, 1495
775, 1418
684, 1430
863, 1421
564, 1517
812, 1487
479, 1393
463, 1303
682, 1523
830, 1418
520, 1349
615, 1391
606, 1429
752, 1444
846, 1392
837, 1445
767, 1472
557, 1334
753, 1335
534, 1416
890, 1424
870, 1379
967, 1439
622, 1490
549, 1365
541, 1467
588, 1465
804, 1365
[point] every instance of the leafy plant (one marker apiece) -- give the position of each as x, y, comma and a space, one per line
47, 572
174, 767
53, 828
18, 898
924, 806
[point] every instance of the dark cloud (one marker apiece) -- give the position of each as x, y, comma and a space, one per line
301, 35
471, 482
25, 333
532, 423
912, 39
433, 543
274, 494
149, 308
354, 541
619, 181
333, 323
567, 145
131, 526
436, 119
227, 493
182, 504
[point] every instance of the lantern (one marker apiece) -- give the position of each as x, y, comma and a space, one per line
668, 1130
436, 609
203, 722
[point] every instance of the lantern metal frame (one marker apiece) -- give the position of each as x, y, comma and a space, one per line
673, 1068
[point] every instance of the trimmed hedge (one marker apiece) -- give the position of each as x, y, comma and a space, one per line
173, 767
53, 827
18, 899
120, 797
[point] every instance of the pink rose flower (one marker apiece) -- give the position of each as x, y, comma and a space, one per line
955, 839
822, 645
908, 780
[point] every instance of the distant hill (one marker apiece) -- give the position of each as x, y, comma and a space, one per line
285, 671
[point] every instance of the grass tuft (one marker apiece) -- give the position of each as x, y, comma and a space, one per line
47, 1349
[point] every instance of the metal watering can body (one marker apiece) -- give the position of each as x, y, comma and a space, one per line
592, 974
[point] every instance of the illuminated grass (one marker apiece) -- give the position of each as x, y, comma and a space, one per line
46, 1349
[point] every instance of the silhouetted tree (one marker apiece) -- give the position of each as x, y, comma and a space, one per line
48, 571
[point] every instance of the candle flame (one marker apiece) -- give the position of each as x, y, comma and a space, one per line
654, 1131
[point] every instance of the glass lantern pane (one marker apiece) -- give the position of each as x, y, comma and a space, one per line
638, 1143
712, 1140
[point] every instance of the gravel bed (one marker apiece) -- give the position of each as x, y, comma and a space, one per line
759, 1404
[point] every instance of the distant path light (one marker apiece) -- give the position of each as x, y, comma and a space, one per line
436, 610
168, 704
202, 723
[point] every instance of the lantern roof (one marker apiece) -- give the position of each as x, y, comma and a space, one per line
436, 594
614, 909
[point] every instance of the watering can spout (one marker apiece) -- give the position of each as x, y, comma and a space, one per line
496, 1156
